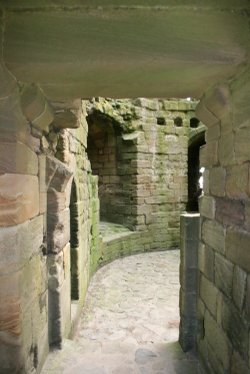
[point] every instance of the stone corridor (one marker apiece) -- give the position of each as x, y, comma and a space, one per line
130, 321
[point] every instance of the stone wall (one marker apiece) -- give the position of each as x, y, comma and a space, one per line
139, 150
39, 309
224, 260
49, 217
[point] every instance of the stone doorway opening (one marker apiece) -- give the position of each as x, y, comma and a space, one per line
194, 169
105, 149
74, 243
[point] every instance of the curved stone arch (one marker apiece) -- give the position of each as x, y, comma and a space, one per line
196, 135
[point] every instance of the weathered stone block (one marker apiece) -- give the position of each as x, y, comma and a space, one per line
207, 206
206, 261
238, 365
19, 243
247, 216
226, 153
213, 234
237, 181
17, 158
209, 294
57, 174
188, 302
10, 309
239, 286
212, 133
217, 180
204, 114
235, 328
223, 274
11, 354
65, 119
206, 187
230, 212
58, 230
19, 198
242, 141
35, 107
218, 341
237, 248
42, 173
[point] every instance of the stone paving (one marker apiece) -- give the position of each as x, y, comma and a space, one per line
130, 322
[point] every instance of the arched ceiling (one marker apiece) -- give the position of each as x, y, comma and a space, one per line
125, 48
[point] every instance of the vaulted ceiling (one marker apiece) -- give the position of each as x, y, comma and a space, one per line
125, 48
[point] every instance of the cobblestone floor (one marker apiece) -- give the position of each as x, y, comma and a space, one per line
130, 322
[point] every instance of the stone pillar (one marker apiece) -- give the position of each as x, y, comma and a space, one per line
190, 224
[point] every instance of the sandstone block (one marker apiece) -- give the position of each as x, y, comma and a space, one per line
230, 212
247, 216
56, 201
17, 158
237, 181
10, 309
19, 243
235, 328
218, 99
217, 340
212, 133
209, 294
57, 174
58, 225
204, 114
35, 107
206, 187
239, 286
12, 119
226, 153
11, 358
237, 248
206, 261
42, 173
65, 119
213, 234
242, 141
207, 206
217, 180
223, 274
19, 198
239, 365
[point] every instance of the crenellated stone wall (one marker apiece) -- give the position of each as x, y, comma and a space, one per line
224, 261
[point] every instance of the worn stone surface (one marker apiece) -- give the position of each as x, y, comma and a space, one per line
131, 334
19, 198
207, 206
209, 294
217, 180
218, 341
17, 158
230, 212
213, 235
237, 244
239, 286
237, 181
223, 274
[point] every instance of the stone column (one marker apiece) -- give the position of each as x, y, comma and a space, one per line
190, 224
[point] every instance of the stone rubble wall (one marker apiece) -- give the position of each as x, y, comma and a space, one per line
224, 262
142, 166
